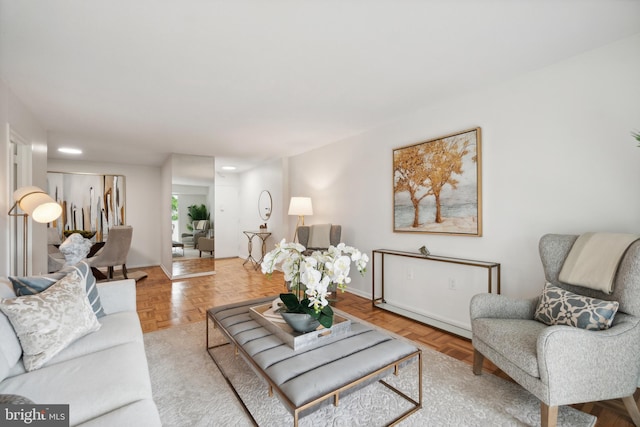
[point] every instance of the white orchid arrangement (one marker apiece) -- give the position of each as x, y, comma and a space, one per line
311, 275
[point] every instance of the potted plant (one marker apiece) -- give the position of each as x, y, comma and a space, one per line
311, 276
196, 213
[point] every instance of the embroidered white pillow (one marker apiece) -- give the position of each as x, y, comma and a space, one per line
46, 323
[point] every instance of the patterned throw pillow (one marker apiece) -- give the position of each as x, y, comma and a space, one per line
561, 307
14, 399
36, 284
46, 323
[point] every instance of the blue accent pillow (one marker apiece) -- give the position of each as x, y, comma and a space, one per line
36, 284
561, 307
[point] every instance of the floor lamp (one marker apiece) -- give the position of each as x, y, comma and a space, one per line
300, 206
34, 202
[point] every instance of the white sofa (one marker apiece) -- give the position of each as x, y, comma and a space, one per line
103, 376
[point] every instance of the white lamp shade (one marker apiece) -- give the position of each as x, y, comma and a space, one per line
37, 204
300, 206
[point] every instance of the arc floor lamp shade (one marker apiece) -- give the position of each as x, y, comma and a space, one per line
37, 204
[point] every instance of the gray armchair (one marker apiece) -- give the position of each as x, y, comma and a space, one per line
304, 235
200, 229
306, 239
563, 365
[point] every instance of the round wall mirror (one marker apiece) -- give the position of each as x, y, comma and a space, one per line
264, 205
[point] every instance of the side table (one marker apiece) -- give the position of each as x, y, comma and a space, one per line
263, 235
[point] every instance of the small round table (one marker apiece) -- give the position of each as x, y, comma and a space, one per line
263, 235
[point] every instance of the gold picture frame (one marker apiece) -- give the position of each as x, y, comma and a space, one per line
437, 185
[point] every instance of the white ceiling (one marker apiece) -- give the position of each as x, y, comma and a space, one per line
248, 81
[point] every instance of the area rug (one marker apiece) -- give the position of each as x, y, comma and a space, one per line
190, 391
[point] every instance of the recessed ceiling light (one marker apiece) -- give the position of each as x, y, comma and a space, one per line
228, 168
70, 150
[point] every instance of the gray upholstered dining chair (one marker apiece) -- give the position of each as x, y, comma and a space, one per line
115, 250
55, 258
560, 364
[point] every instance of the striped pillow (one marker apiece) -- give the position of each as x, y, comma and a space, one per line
36, 284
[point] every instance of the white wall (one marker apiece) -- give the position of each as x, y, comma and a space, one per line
270, 177
166, 174
144, 209
14, 115
557, 157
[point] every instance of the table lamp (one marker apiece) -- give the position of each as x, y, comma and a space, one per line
300, 206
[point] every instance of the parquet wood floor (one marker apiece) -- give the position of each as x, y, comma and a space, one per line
182, 266
162, 304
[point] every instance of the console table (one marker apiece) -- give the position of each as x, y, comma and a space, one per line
263, 235
493, 277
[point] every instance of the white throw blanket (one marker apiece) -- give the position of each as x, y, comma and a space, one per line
319, 236
594, 258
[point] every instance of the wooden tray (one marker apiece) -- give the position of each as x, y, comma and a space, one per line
296, 340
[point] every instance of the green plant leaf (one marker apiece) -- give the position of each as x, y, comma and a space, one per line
291, 302
174, 208
325, 320
326, 316
326, 310
304, 307
197, 212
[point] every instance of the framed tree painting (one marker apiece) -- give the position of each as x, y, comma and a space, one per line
437, 185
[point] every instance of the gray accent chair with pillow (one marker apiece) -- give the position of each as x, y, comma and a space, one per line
306, 239
200, 229
560, 364
304, 234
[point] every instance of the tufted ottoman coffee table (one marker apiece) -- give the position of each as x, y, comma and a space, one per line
362, 356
